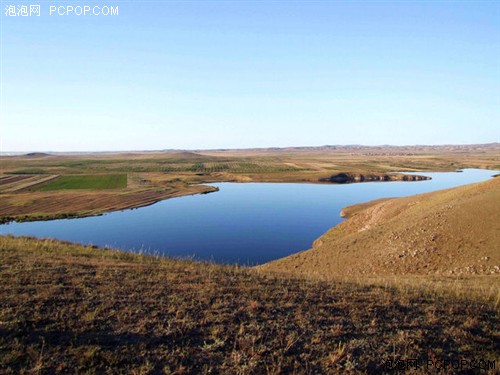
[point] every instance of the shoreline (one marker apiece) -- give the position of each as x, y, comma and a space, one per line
147, 201
370, 216
157, 196
419, 234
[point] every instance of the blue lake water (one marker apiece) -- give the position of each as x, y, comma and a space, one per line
245, 223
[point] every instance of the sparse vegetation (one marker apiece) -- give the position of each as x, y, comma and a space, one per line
69, 308
451, 232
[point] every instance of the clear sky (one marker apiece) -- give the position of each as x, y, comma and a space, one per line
235, 74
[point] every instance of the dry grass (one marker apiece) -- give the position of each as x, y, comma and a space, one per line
68, 308
453, 232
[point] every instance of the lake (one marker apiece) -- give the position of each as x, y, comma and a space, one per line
244, 223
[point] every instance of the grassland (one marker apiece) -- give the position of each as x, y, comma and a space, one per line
409, 278
450, 232
74, 309
38, 186
92, 182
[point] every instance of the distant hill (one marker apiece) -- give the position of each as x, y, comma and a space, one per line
390, 149
378, 149
448, 232
36, 155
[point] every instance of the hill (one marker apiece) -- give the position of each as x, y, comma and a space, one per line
74, 309
36, 155
449, 232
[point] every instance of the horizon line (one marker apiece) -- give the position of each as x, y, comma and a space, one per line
273, 148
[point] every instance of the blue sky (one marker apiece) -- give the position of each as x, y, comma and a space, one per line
235, 74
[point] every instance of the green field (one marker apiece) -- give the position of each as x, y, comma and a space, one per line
94, 182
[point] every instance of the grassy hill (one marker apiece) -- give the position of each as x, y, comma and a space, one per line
454, 232
69, 308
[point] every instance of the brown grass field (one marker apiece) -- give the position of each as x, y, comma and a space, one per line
450, 232
72, 309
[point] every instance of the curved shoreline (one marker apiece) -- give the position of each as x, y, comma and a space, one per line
407, 228
421, 234
136, 199
132, 200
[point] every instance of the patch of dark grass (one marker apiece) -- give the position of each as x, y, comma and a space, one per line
29, 171
94, 182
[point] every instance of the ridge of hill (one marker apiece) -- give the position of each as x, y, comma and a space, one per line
449, 232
